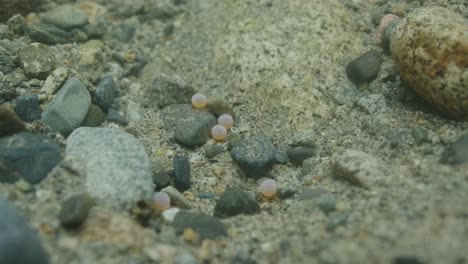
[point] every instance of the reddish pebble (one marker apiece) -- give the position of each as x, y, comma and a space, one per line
218, 132
162, 201
199, 100
226, 121
268, 188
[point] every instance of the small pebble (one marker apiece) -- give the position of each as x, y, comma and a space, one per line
162, 201
75, 210
235, 202
199, 100
226, 120
457, 152
212, 151
218, 132
105, 92
116, 117
206, 226
364, 69
177, 198
268, 188
298, 155
182, 173
10, 123
28, 108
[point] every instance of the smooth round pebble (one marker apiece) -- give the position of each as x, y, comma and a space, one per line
226, 121
199, 100
162, 201
218, 132
268, 188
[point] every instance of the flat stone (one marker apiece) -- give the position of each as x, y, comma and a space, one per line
37, 60
117, 167
256, 156
364, 69
105, 92
69, 107
235, 202
47, 34
299, 154
206, 226
182, 173
191, 127
27, 156
18, 242
75, 210
10, 123
28, 107
167, 90
357, 167
457, 152
430, 49
94, 117
66, 17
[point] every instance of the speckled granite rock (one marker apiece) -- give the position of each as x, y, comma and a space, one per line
430, 49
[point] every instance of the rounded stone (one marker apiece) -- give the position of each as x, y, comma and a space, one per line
66, 17
75, 210
430, 49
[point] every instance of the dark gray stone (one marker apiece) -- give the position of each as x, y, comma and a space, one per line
167, 90
386, 35
75, 210
235, 202
256, 156
191, 127
406, 259
94, 117
298, 155
19, 244
219, 107
114, 116
27, 156
365, 68
69, 107
105, 92
28, 107
37, 61
182, 173
66, 17
47, 34
161, 177
206, 226
10, 123
457, 152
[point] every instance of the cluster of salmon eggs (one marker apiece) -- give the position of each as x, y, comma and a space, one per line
225, 121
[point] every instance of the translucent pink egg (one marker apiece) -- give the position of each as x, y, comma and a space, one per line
268, 188
199, 100
218, 132
162, 201
226, 120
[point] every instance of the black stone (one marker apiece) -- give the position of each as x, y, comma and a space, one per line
457, 152
365, 68
256, 156
235, 202
27, 156
299, 154
105, 92
28, 107
206, 226
75, 210
18, 242
182, 173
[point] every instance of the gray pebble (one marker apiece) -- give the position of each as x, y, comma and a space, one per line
357, 167
36, 60
235, 202
336, 219
47, 34
27, 156
364, 69
327, 203
10, 123
105, 92
66, 17
373, 103
182, 173
219, 107
115, 116
256, 156
167, 90
419, 134
177, 198
457, 152
161, 177
75, 210
346, 94
18, 242
118, 170
28, 107
212, 151
185, 258
206, 226
124, 32
94, 117
303, 138
69, 107
387, 34
7, 61
299, 154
